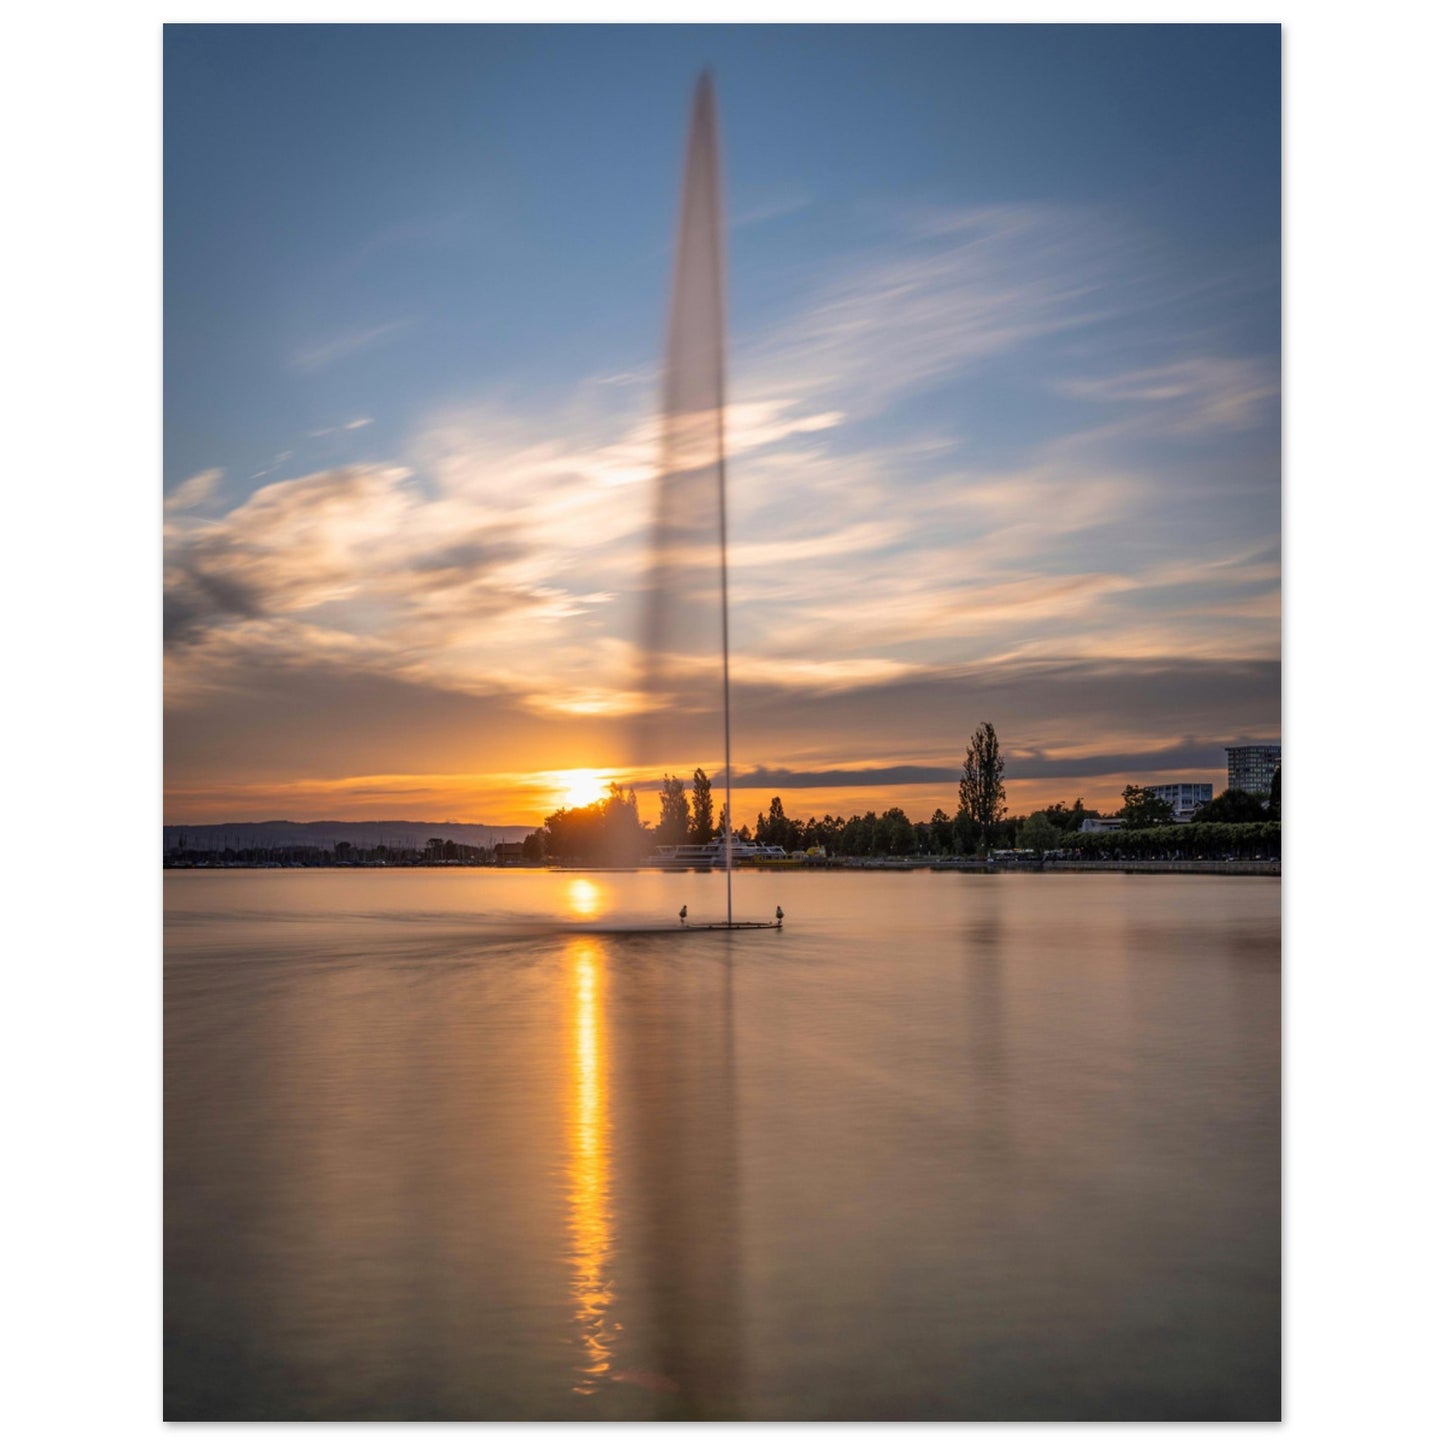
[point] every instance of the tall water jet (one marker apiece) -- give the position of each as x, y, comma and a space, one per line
685, 629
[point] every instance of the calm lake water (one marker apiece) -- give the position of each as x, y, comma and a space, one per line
439, 1145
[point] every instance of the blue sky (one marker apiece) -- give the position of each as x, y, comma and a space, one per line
1005, 310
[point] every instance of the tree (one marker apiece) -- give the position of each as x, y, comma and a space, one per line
1144, 808
673, 820
1233, 805
894, 835
823, 833
778, 830
981, 792
703, 830
1039, 833
1069, 819
626, 839
1182, 840
857, 837
777, 822
607, 831
1276, 801
967, 835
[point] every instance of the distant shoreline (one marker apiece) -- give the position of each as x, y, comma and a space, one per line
1255, 867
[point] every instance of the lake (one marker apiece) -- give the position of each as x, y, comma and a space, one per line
446, 1144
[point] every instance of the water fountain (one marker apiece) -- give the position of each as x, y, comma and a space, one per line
685, 626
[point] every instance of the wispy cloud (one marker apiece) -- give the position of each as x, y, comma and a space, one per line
1196, 394
277, 462
337, 348
195, 491
329, 431
959, 289
770, 208
850, 777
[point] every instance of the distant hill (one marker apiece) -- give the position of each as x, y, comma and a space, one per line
281, 833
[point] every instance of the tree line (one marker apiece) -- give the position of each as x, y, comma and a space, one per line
611, 831
333, 855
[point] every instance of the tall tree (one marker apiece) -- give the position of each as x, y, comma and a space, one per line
703, 830
673, 820
981, 793
1276, 799
776, 829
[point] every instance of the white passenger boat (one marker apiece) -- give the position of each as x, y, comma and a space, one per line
708, 855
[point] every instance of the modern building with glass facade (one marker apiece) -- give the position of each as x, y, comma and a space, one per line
1184, 798
1252, 765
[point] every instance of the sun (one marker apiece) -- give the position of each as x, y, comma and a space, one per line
580, 786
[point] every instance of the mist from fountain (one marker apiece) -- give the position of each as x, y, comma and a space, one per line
684, 659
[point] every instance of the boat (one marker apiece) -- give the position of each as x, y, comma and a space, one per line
709, 855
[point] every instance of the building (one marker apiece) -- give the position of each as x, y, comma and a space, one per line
1100, 825
1252, 766
1183, 798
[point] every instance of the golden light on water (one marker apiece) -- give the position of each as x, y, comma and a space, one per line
589, 1168
584, 897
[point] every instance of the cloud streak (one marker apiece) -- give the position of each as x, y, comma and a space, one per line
320, 355
331, 431
963, 288
1194, 395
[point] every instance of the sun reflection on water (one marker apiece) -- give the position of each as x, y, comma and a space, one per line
584, 897
589, 1169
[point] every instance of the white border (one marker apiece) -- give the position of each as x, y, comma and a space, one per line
1363, 992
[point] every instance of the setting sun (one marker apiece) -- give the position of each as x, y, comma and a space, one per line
580, 786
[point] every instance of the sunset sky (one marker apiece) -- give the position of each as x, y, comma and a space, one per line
1004, 417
